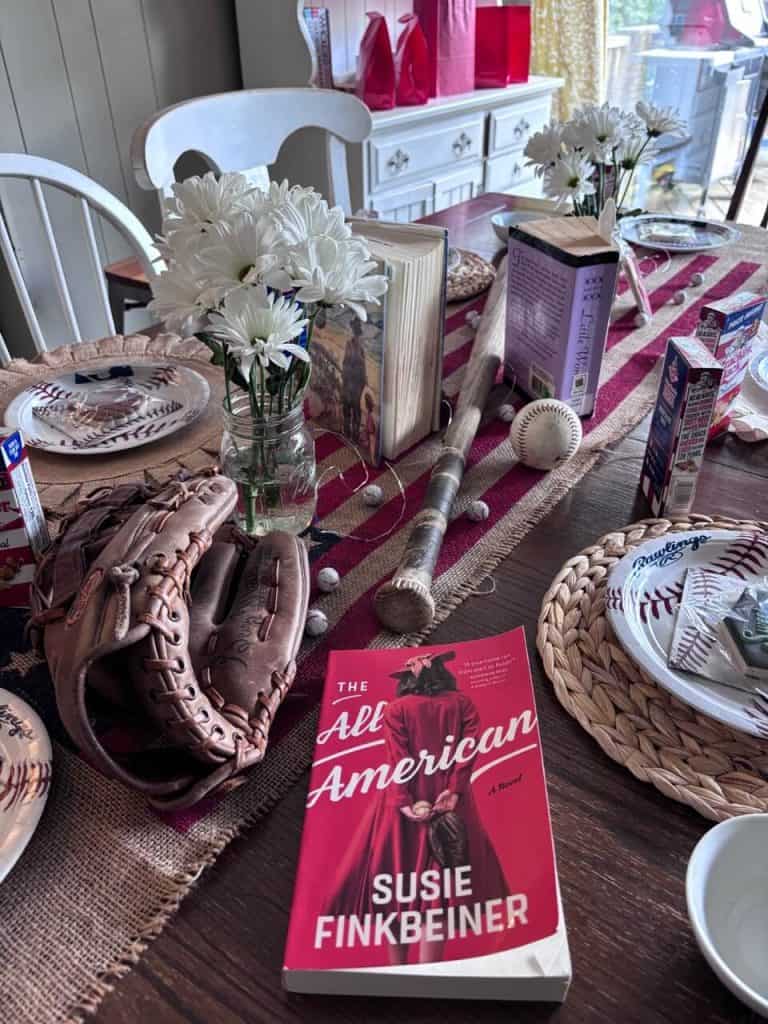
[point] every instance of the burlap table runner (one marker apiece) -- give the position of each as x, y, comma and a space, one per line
102, 874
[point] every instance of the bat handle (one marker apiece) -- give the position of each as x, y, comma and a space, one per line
405, 604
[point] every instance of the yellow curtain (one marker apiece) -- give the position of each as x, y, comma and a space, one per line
569, 41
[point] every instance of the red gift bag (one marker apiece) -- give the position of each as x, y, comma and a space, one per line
503, 46
449, 26
376, 66
411, 64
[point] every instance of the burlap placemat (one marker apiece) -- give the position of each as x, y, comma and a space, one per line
98, 855
688, 756
62, 479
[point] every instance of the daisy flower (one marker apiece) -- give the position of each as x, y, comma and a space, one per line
335, 272
246, 251
544, 147
306, 215
659, 120
596, 132
570, 178
199, 203
180, 298
259, 327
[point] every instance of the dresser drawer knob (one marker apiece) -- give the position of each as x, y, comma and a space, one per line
462, 144
398, 161
521, 128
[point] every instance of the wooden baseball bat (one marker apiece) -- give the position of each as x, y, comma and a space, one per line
405, 604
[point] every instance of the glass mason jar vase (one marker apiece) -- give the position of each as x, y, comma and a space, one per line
272, 461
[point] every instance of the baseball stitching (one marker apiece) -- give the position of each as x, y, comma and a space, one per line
26, 781
743, 558
529, 415
666, 599
693, 648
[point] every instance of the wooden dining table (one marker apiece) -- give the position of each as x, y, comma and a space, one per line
622, 847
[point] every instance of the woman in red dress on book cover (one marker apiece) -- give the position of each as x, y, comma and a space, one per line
393, 837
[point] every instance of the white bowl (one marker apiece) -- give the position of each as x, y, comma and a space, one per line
503, 221
727, 892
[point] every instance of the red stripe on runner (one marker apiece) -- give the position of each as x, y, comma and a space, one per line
459, 318
456, 359
625, 380
659, 297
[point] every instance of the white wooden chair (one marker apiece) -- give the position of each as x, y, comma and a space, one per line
244, 130
89, 195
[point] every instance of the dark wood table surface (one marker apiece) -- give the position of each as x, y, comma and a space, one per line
622, 847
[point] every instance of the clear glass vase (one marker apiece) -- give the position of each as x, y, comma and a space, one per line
272, 461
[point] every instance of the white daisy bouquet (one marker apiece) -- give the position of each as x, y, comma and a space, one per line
594, 156
248, 272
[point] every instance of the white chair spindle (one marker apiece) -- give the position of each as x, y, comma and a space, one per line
5, 355
9, 253
93, 249
58, 270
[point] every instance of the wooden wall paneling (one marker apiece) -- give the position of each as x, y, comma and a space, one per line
43, 102
82, 58
130, 86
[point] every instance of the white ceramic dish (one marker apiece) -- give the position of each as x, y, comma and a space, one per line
176, 394
755, 386
503, 221
642, 598
709, 234
25, 776
726, 889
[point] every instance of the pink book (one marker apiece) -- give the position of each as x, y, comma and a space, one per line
427, 864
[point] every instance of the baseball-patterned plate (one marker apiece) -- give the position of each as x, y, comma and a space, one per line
25, 776
642, 601
142, 403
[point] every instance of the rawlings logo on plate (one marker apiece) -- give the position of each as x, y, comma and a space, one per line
671, 552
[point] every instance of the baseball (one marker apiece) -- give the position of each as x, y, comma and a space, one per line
317, 622
545, 434
373, 496
478, 511
327, 579
506, 412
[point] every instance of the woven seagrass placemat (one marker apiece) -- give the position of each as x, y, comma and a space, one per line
470, 277
688, 756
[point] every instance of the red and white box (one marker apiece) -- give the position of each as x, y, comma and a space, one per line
23, 530
690, 380
427, 864
728, 328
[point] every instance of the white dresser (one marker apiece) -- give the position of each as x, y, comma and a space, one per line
418, 160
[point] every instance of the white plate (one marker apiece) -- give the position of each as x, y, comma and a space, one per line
709, 234
503, 221
642, 599
178, 395
726, 888
25, 776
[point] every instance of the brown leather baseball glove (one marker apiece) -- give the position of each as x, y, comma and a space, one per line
170, 636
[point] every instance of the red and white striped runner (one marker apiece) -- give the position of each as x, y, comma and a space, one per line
518, 497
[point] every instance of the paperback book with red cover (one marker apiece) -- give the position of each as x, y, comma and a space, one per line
427, 864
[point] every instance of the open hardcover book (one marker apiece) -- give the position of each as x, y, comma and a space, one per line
427, 864
379, 383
